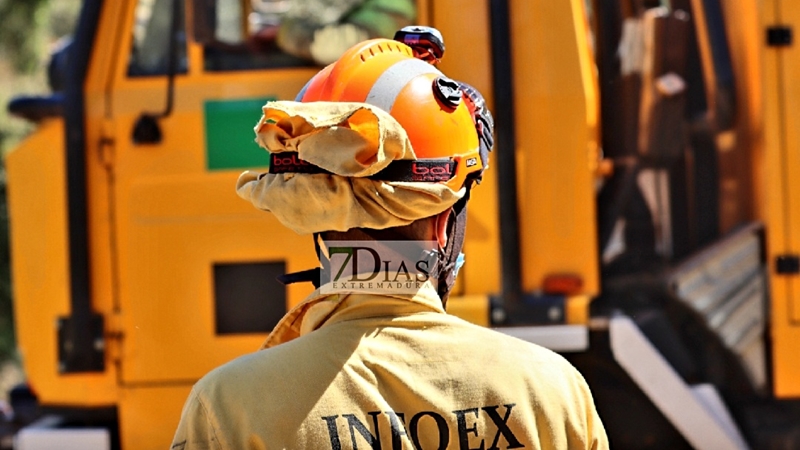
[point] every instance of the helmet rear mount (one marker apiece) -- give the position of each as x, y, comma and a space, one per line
426, 42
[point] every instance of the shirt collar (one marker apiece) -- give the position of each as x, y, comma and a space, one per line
320, 309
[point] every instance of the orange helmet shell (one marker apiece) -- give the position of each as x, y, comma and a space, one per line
385, 73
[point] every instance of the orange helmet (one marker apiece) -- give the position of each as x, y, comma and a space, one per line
439, 115
446, 122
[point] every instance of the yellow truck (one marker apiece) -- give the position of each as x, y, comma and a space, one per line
641, 215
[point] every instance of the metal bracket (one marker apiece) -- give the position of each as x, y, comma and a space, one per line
779, 36
530, 310
74, 355
787, 264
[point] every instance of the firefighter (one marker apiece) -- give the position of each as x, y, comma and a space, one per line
380, 149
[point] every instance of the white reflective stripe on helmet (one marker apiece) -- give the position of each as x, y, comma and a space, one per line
388, 86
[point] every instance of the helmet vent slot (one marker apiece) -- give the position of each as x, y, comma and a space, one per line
383, 47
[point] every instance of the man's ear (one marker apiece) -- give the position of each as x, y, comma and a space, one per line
440, 227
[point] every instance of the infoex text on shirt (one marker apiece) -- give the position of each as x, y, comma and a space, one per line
424, 423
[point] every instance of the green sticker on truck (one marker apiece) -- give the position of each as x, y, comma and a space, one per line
230, 140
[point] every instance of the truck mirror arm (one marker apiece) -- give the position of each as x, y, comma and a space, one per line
146, 130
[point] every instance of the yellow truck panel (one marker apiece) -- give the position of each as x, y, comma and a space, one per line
40, 268
783, 200
149, 415
557, 123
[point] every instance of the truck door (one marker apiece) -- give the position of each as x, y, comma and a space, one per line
196, 265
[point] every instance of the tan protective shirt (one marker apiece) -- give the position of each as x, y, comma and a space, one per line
390, 373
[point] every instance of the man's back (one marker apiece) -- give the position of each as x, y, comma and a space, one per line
388, 372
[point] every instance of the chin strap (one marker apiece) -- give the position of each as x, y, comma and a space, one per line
448, 261
310, 275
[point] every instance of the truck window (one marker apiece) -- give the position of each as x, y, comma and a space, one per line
244, 36
263, 34
151, 39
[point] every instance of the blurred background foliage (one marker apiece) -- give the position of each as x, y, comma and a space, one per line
29, 31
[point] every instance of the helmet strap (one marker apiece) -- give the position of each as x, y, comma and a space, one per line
456, 232
314, 275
